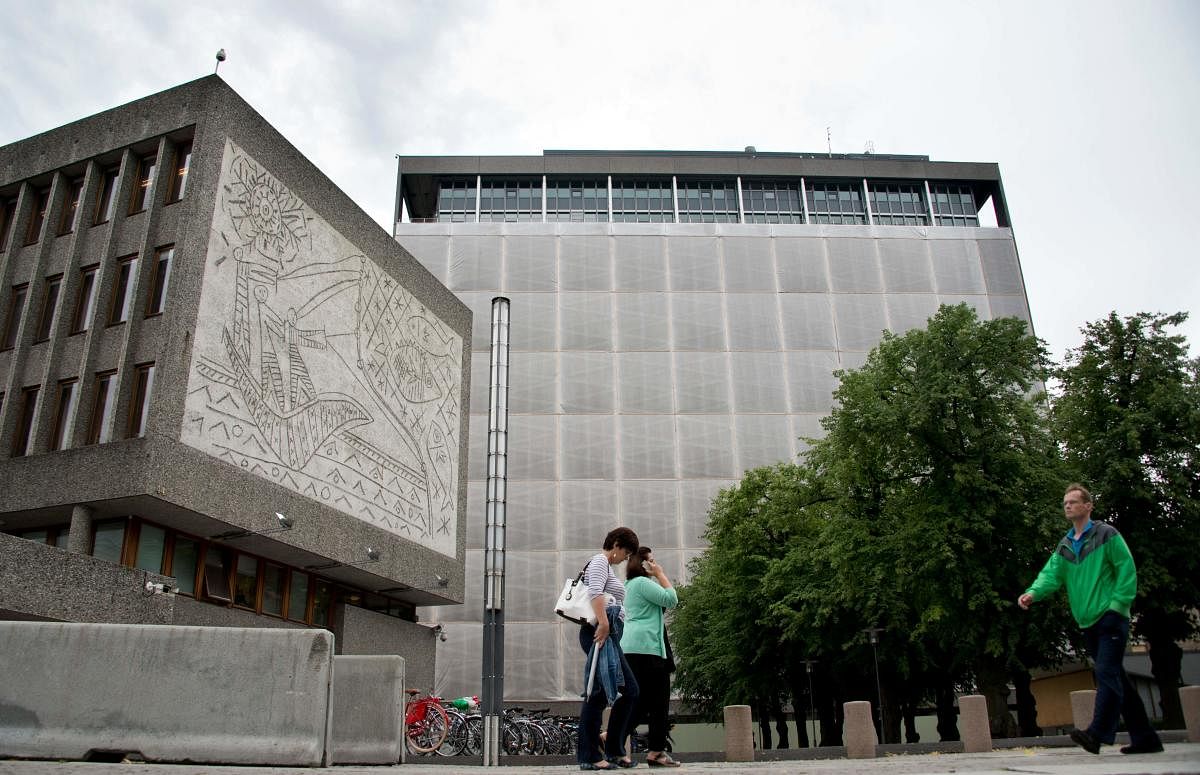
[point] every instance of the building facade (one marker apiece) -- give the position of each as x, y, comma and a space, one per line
677, 319
218, 375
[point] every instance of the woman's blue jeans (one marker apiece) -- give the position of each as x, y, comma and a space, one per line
592, 712
1115, 694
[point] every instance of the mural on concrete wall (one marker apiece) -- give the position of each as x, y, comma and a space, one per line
313, 368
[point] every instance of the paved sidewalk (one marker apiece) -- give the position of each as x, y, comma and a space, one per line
1181, 758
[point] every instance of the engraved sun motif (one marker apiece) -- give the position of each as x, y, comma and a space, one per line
266, 214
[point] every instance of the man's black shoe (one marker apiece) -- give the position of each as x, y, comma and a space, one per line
1085, 741
1154, 746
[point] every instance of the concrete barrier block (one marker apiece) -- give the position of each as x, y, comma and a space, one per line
1189, 697
974, 724
368, 710
859, 730
199, 694
739, 734
1083, 705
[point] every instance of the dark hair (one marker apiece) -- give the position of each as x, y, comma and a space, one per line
637, 563
1079, 488
622, 537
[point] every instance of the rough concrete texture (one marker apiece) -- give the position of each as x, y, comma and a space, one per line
368, 632
1189, 697
368, 710
1083, 705
220, 695
859, 730
973, 723
739, 734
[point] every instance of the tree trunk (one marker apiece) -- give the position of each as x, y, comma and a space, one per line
1026, 705
1166, 664
947, 716
993, 685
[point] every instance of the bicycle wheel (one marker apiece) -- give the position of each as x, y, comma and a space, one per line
424, 735
456, 735
473, 742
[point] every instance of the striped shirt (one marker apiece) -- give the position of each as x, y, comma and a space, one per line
601, 580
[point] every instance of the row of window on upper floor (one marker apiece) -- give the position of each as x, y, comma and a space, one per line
101, 423
707, 201
108, 184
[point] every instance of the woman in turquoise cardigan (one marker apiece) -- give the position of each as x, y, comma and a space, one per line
648, 592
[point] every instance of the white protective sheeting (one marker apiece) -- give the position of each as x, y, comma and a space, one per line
651, 366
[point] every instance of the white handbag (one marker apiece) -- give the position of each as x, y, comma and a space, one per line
573, 603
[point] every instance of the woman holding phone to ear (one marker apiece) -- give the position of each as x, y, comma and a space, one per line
648, 593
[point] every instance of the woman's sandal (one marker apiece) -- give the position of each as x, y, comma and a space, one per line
623, 763
663, 760
600, 765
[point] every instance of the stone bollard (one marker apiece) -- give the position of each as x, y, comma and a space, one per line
1189, 698
1083, 705
739, 734
974, 724
859, 730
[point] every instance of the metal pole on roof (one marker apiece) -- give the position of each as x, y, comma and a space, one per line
493, 557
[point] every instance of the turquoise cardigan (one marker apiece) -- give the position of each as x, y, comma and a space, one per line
644, 604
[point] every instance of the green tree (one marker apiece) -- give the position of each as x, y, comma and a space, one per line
1129, 420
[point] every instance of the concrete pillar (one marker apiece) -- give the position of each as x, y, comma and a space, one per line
739, 734
1189, 698
974, 724
79, 540
859, 730
1083, 705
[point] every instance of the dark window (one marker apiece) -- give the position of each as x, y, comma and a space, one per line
184, 564
456, 200
64, 415
100, 427
143, 186
108, 189
70, 211
8, 211
16, 309
245, 582
898, 204
217, 565
85, 300
159, 282
577, 200
954, 205
108, 541
707, 201
21, 439
510, 200
643, 201
274, 578
322, 602
297, 602
139, 403
835, 202
151, 544
118, 310
179, 172
767, 201
49, 307
41, 201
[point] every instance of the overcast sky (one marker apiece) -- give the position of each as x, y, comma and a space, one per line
1090, 108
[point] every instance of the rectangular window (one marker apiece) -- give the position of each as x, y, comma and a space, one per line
16, 310
64, 414
139, 404
297, 599
898, 204
41, 201
107, 197
8, 211
108, 540
216, 574
179, 172
836, 202
49, 307
954, 205
143, 185
510, 200
245, 586
184, 560
118, 311
70, 210
456, 200
322, 600
151, 542
643, 201
708, 201
100, 427
162, 277
767, 201
23, 436
85, 300
577, 200
274, 577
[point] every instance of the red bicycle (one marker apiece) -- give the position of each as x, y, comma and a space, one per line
425, 722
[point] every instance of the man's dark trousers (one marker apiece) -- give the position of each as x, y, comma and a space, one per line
1115, 695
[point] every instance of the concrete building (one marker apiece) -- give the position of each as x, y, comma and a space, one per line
218, 374
677, 318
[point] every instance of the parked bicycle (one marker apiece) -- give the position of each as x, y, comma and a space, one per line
425, 721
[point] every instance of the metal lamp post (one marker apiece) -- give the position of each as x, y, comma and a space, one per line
873, 634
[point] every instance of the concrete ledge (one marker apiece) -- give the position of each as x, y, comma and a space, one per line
368, 710
199, 694
1189, 698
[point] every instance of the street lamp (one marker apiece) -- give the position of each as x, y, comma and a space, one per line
812, 707
873, 635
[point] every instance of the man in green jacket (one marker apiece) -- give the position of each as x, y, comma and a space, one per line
1094, 563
